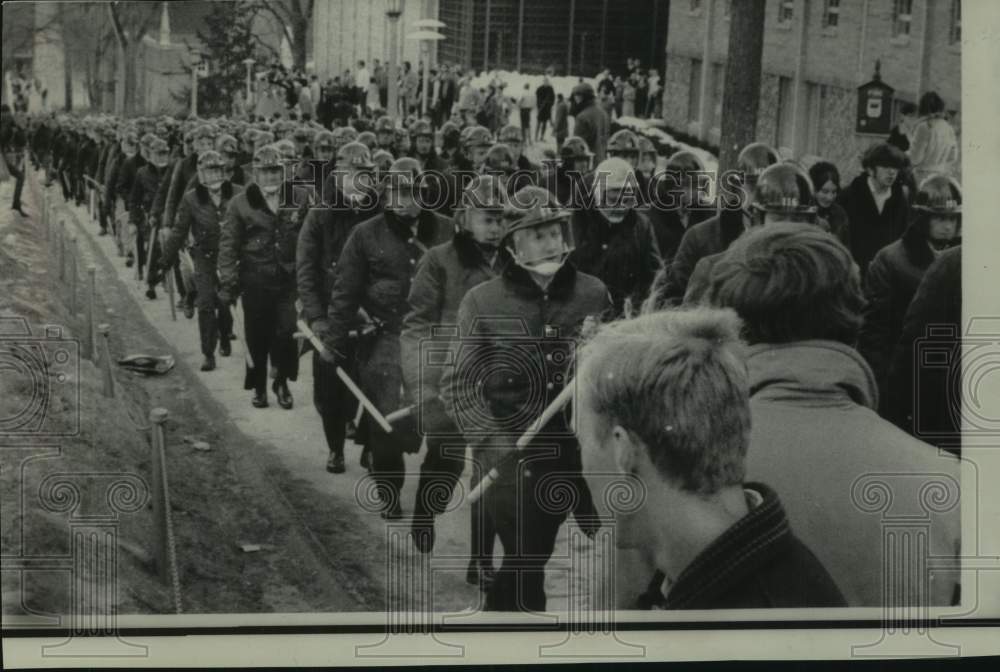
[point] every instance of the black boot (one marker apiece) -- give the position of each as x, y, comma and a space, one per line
280, 389
259, 399
335, 463
208, 364
422, 531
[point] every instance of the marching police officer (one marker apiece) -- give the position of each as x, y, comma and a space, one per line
257, 263
376, 268
532, 310
140, 202
443, 277
571, 177
614, 241
200, 215
348, 200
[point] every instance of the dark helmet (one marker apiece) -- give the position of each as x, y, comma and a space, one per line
532, 206
303, 134
755, 158
404, 173
354, 155
884, 154
226, 144
211, 167
267, 157
499, 158
206, 132
683, 163
450, 134
384, 123
784, 188
147, 140
324, 139
159, 152
382, 159
939, 195
585, 90
624, 143
264, 137
476, 136
646, 146
510, 133
574, 148
287, 149
484, 192
421, 128
367, 138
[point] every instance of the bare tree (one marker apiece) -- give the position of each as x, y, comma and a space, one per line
130, 21
294, 18
739, 105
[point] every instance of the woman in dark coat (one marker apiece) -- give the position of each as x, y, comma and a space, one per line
826, 187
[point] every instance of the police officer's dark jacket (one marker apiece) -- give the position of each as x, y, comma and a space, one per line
444, 276
321, 241
376, 268
144, 190
624, 256
198, 216
511, 318
182, 175
257, 245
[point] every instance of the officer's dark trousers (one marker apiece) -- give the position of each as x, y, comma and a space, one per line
215, 321
439, 473
334, 403
269, 325
380, 378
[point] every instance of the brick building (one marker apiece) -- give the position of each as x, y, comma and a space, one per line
816, 54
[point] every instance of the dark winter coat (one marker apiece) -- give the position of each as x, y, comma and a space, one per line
592, 124
160, 199
546, 98
623, 256
376, 267
183, 173
571, 189
141, 199
510, 318
925, 398
709, 237
321, 241
870, 231
198, 216
892, 280
257, 246
445, 274
126, 174
834, 220
669, 229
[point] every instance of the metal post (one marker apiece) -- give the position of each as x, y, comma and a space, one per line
569, 48
72, 274
157, 418
108, 390
706, 71
520, 31
168, 280
486, 39
393, 68
62, 250
89, 340
425, 49
194, 90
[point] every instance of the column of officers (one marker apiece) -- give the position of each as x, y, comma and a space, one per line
445, 273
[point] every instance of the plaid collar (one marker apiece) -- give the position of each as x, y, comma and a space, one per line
737, 554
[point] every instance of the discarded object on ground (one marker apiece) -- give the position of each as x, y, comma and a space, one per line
148, 365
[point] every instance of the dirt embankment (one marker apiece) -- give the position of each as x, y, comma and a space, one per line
231, 495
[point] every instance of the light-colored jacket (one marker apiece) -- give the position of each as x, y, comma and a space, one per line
848, 478
934, 148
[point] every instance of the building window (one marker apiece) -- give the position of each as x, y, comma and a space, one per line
786, 10
955, 33
831, 14
902, 15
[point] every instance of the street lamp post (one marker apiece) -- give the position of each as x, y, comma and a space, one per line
426, 34
393, 10
194, 85
249, 63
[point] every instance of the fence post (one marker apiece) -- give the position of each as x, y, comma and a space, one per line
168, 280
91, 308
158, 418
109, 381
72, 274
62, 250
